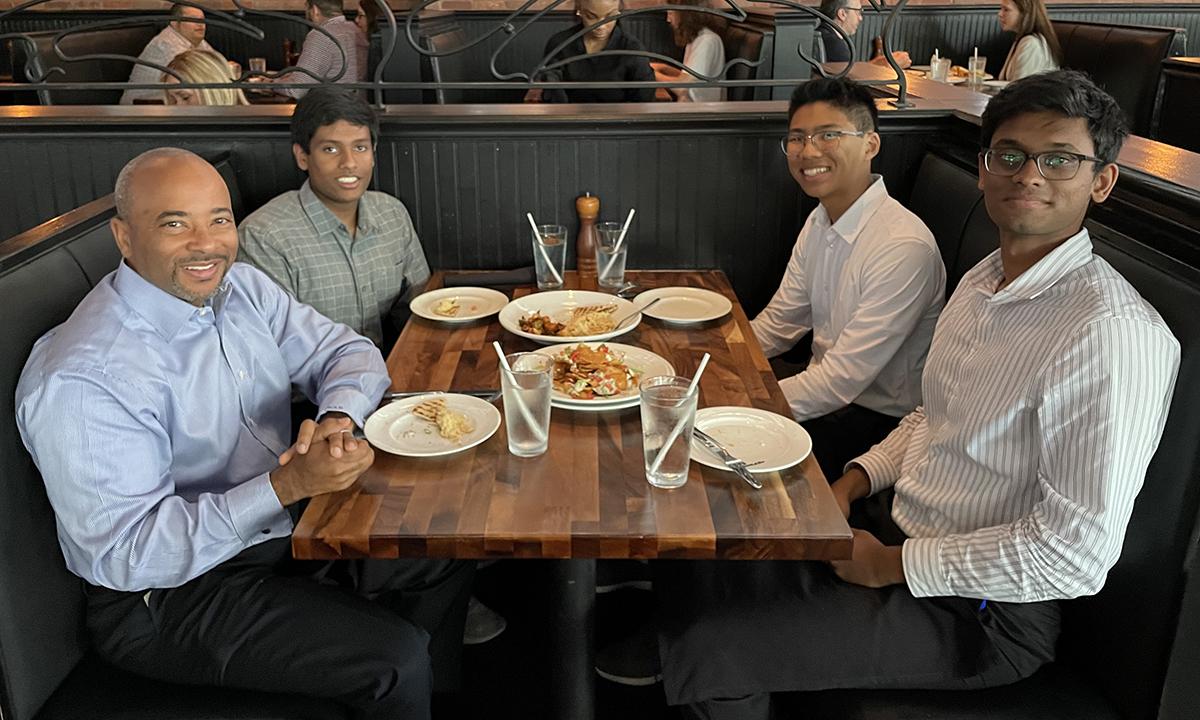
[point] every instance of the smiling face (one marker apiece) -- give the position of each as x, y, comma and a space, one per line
1027, 207
193, 31
178, 232
339, 162
835, 175
593, 11
1010, 16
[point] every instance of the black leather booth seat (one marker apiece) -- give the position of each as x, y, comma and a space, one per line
37, 52
1179, 107
1117, 647
754, 43
1125, 60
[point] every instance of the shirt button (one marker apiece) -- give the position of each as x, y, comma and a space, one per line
242, 374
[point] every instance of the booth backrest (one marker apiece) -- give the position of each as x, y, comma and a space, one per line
1125, 60
41, 604
35, 55
748, 42
1121, 638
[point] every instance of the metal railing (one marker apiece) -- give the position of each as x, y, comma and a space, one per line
545, 74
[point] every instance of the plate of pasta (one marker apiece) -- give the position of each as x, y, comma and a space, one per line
601, 376
568, 316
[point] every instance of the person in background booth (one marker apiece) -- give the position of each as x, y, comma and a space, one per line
607, 36
159, 417
180, 35
201, 66
865, 278
1036, 48
367, 17
1010, 489
848, 16
322, 56
704, 52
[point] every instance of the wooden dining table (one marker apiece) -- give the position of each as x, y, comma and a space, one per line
587, 497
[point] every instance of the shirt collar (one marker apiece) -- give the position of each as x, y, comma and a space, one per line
1072, 254
855, 219
322, 218
160, 308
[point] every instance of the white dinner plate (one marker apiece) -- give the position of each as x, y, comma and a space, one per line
684, 304
394, 429
919, 68
558, 304
647, 363
473, 303
996, 83
751, 434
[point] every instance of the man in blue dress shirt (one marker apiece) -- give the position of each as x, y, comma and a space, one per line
159, 417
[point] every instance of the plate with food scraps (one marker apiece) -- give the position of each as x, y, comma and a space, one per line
601, 376
459, 304
562, 316
684, 304
432, 424
772, 441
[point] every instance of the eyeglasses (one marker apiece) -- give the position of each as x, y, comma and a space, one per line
1052, 165
823, 141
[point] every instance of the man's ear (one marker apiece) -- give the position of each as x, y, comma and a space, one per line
981, 170
873, 143
120, 231
1104, 182
301, 156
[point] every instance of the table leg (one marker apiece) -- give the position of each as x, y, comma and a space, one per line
572, 640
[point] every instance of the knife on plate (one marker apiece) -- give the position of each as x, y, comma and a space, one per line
488, 394
733, 463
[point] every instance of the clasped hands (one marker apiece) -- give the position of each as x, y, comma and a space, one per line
325, 458
872, 564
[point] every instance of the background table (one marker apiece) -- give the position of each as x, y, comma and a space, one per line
587, 496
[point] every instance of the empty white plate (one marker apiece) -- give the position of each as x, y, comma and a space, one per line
393, 428
473, 303
752, 435
684, 304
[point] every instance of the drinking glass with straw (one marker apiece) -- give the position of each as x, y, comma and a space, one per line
550, 253
525, 384
668, 405
611, 252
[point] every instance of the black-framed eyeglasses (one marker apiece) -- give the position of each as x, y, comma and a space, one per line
1052, 164
823, 141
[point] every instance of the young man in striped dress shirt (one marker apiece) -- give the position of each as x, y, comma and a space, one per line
1045, 395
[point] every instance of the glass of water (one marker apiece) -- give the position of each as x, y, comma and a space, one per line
526, 392
668, 413
550, 256
976, 69
610, 260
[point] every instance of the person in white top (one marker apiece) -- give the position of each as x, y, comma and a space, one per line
1046, 391
183, 33
865, 277
703, 54
1036, 49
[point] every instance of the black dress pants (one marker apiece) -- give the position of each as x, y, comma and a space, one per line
844, 434
358, 632
732, 632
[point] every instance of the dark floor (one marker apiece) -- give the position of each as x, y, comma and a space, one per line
505, 678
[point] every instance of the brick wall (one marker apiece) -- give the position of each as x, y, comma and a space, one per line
444, 4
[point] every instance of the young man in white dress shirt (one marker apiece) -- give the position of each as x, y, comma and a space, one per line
1045, 395
866, 278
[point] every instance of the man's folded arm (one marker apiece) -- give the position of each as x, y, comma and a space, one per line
105, 456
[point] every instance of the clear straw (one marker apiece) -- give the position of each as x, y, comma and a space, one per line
617, 246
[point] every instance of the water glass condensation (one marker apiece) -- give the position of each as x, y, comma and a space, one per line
550, 250
526, 392
668, 413
610, 261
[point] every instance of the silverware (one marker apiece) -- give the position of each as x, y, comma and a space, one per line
635, 312
733, 463
488, 394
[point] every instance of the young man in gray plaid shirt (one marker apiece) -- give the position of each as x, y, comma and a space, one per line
350, 253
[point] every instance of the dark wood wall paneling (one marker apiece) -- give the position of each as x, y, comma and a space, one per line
707, 194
